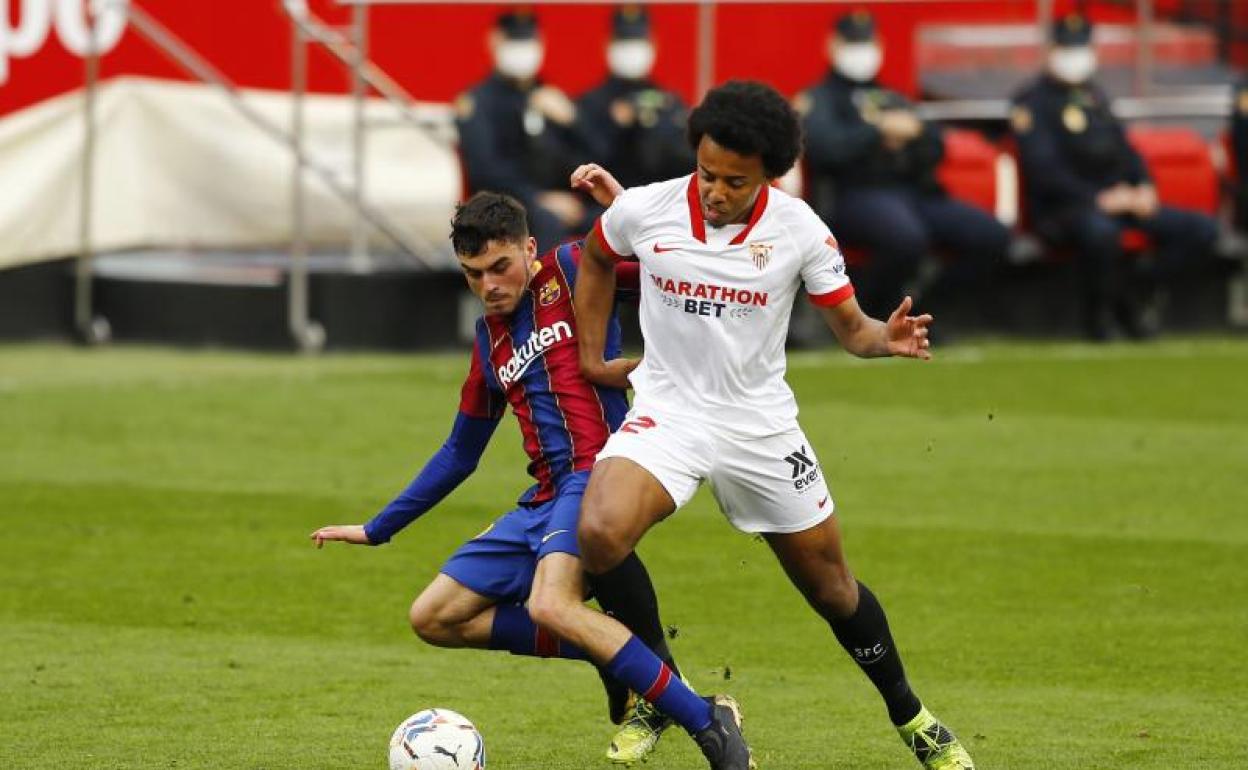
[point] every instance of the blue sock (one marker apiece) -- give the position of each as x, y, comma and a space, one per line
515, 631
639, 668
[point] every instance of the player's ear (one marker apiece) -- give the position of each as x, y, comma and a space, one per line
530, 249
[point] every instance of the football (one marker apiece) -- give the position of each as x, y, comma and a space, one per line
436, 739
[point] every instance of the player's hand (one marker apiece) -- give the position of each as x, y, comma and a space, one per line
598, 182
347, 533
907, 334
611, 374
554, 104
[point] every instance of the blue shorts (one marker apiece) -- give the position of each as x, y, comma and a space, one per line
501, 561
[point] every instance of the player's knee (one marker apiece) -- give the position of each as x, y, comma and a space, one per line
836, 595
428, 624
549, 610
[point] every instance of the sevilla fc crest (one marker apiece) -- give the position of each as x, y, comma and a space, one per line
761, 254
550, 292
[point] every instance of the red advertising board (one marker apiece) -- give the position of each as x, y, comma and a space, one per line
435, 51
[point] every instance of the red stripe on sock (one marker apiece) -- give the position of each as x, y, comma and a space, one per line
660, 684
546, 645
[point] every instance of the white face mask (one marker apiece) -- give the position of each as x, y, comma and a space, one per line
630, 59
519, 59
859, 62
1072, 64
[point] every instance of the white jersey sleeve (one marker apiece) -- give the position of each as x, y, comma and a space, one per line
823, 265
620, 223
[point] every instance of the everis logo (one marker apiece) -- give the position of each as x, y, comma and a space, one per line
27, 34
805, 471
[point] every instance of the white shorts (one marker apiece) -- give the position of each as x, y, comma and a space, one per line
770, 484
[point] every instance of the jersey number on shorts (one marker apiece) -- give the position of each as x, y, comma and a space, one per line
641, 423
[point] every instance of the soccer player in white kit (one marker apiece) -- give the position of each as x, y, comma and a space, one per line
723, 256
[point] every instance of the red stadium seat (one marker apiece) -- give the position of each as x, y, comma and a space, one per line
969, 169
1181, 164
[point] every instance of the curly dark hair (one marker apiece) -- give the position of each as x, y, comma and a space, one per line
487, 216
749, 118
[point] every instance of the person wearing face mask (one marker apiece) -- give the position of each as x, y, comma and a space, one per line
871, 163
520, 136
636, 127
1085, 183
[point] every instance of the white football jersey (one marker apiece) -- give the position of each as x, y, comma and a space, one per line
715, 301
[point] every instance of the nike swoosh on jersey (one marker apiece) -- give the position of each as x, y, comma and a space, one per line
658, 249
549, 535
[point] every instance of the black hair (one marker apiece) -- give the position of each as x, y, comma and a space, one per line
749, 118
487, 216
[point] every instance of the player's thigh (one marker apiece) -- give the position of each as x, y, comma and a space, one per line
623, 491
770, 484
649, 467
814, 560
499, 562
446, 602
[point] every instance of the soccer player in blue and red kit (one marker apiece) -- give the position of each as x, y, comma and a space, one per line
525, 355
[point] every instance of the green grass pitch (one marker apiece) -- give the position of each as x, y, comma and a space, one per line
1059, 534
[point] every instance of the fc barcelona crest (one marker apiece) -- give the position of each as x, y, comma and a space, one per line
549, 293
761, 254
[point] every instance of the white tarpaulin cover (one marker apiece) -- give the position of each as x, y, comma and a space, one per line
178, 166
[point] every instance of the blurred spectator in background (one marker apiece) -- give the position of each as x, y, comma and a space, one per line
636, 128
521, 137
1085, 184
872, 164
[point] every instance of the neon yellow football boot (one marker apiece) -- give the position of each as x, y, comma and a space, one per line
643, 725
933, 744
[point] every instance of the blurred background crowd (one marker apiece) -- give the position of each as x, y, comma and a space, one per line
1036, 166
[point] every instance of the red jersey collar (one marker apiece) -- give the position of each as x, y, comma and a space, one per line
697, 225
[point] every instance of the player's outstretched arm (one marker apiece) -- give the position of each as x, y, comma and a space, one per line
902, 335
450, 465
347, 533
598, 182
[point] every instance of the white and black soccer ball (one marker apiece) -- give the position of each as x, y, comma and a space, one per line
437, 739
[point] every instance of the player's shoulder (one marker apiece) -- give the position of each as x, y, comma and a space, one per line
564, 257
650, 205
657, 193
794, 213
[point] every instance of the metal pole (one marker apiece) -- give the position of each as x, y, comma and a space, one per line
297, 291
1044, 20
178, 52
84, 321
706, 47
1144, 47
359, 235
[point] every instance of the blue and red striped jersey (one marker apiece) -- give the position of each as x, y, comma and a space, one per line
529, 359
